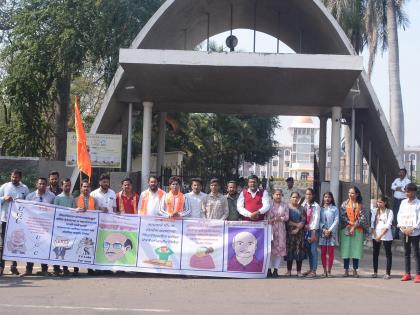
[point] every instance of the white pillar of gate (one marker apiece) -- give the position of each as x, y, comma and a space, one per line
335, 151
146, 143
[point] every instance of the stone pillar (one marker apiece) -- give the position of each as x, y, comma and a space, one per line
129, 138
322, 147
335, 151
146, 143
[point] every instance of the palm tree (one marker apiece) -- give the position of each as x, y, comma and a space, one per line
374, 23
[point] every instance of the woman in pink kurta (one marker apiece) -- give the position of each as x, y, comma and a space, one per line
277, 216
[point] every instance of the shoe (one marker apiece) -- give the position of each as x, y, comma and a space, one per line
300, 275
269, 273
417, 279
14, 271
44, 273
387, 277
275, 273
76, 274
27, 273
346, 273
58, 272
288, 274
1, 271
355, 274
306, 273
324, 274
406, 277
330, 274
66, 272
91, 272
374, 275
312, 274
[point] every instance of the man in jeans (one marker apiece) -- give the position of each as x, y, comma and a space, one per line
8, 192
409, 224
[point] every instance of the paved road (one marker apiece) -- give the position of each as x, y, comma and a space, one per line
144, 294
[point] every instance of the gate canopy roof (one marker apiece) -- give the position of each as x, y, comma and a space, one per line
194, 81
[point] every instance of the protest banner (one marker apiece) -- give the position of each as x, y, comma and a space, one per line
49, 234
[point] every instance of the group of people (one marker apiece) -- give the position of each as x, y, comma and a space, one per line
299, 224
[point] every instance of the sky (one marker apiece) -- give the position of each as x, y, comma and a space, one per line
409, 44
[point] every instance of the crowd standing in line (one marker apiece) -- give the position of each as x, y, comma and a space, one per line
299, 224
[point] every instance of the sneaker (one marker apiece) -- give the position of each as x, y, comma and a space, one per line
288, 274
312, 274
14, 271
300, 275
406, 277
387, 277
374, 275
417, 279
306, 273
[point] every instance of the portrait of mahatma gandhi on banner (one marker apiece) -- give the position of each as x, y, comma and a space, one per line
246, 249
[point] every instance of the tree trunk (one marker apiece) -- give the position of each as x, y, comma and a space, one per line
61, 107
396, 112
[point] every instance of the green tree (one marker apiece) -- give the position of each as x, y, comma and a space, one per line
48, 47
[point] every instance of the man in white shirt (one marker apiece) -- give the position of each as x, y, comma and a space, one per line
409, 224
105, 198
8, 192
398, 187
196, 197
151, 200
253, 203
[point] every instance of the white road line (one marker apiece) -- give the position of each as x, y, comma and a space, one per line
88, 308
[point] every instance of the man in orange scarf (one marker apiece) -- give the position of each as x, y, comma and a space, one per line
85, 201
175, 205
127, 200
151, 200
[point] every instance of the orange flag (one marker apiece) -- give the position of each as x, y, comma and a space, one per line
83, 158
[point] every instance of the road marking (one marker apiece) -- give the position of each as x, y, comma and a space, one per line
88, 308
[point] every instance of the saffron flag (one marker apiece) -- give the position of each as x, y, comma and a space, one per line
83, 159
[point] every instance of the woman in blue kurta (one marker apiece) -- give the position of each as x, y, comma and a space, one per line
328, 226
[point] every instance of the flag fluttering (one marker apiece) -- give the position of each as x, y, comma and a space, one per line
83, 159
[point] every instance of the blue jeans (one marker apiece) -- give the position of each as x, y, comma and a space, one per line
347, 263
312, 255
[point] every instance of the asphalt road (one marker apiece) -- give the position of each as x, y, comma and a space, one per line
148, 293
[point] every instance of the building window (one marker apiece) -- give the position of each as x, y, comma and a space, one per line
287, 163
412, 157
304, 175
275, 162
274, 174
286, 152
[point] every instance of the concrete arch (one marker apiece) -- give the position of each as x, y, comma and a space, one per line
305, 25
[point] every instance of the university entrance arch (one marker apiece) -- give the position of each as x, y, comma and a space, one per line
162, 72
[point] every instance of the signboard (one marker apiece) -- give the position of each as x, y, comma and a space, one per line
54, 235
104, 150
